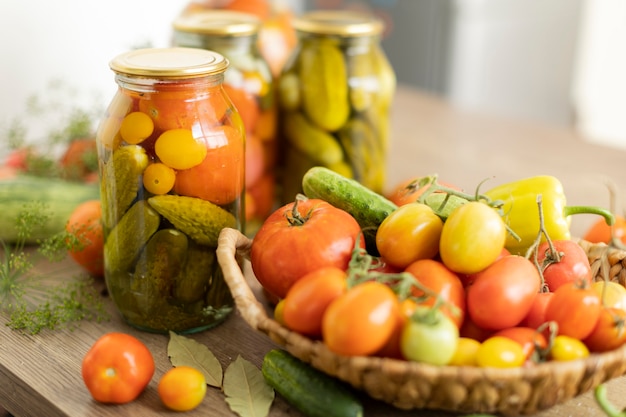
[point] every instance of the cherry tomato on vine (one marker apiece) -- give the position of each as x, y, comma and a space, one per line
609, 332
575, 307
429, 336
443, 284
600, 232
361, 320
500, 352
503, 293
301, 237
612, 294
529, 339
403, 194
572, 265
472, 238
307, 299
566, 348
409, 233
117, 368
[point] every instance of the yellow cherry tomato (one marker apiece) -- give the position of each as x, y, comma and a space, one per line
158, 178
500, 352
611, 293
178, 149
465, 354
566, 348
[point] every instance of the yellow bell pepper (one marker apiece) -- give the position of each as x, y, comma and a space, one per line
521, 213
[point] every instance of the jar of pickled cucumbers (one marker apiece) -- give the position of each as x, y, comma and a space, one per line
171, 164
249, 84
334, 96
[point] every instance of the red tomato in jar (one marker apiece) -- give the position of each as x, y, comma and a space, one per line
575, 307
572, 264
362, 320
530, 339
441, 283
308, 298
600, 232
409, 233
503, 293
609, 332
299, 238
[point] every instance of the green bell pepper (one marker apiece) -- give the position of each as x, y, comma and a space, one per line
521, 214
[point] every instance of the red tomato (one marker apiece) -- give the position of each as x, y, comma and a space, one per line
435, 276
537, 314
85, 225
470, 330
361, 321
117, 368
609, 332
575, 308
503, 293
527, 337
409, 233
600, 232
308, 298
299, 238
468, 279
572, 266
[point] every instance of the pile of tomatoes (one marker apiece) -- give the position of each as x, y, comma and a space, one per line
438, 292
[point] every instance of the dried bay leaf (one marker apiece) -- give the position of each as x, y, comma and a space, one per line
246, 391
184, 351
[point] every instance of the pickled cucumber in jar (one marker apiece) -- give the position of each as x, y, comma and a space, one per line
334, 97
171, 157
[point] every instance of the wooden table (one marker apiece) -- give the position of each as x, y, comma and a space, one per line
40, 374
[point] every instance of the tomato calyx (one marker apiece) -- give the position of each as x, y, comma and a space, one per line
294, 217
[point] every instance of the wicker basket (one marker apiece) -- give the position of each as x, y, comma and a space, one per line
412, 385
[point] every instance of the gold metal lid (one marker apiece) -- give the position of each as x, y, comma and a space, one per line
169, 63
218, 23
338, 22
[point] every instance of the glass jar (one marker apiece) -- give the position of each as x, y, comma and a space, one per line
249, 84
334, 96
171, 164
276, 39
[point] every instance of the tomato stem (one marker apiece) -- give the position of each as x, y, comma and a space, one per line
294, 217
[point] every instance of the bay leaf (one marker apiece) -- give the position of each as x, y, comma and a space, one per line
246, 391
184, 351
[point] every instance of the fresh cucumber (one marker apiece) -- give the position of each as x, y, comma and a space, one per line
312, 392
366, 206
59, 199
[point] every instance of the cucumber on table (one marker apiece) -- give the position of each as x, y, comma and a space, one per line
59, 197
366, 206
312, 392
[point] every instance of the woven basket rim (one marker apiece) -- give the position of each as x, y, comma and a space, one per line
541, 386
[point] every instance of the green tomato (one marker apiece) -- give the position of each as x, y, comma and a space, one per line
429, 336
409, 233
472, 238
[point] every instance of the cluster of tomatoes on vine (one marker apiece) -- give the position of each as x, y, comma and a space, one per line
443, 292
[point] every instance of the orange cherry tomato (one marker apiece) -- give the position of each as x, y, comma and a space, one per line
307, 299
609, 332
576, 308
85, 224
600, 232
436, 277
403, 193
361, 321
530, 339
117, 368
219, 178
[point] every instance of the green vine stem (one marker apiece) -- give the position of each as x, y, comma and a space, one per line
603, 401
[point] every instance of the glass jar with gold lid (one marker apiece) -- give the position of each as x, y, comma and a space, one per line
171, 163
250, 85
334, 96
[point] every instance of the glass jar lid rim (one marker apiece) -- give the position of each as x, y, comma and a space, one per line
177, 62
218, 22
338, 22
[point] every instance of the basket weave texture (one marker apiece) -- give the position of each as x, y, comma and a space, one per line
413, 385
